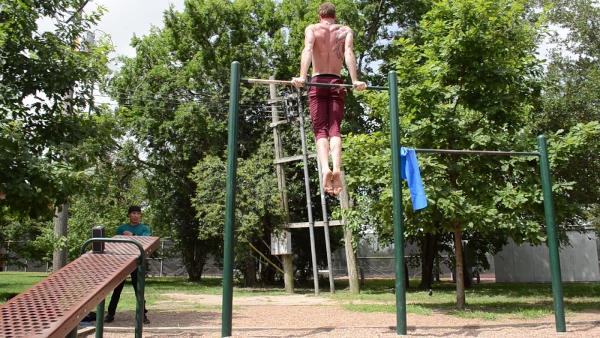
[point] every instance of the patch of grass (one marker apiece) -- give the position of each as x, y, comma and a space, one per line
387, 308
469, 314
157, 287
490, 301
13, 283
532, 313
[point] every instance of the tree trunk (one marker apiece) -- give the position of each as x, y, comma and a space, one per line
460, 278
288, 276
249, 272
351, 261
467, 266
194, 257
61, 218
428, 254
353, 279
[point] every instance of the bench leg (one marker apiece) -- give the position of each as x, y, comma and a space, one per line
73, 334
139, 313
100, 320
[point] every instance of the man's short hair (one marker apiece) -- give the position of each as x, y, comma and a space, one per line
327, 10
134, 208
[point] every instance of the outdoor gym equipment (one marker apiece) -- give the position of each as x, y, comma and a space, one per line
392, 88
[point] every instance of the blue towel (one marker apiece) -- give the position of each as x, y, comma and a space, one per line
409, 169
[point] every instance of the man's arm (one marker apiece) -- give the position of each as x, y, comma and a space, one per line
350, 60
306, 57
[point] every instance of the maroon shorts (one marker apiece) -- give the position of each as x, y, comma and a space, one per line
326, 106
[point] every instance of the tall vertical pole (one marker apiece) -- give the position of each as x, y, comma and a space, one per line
100, 320
557, 292
326, 228
311, 220
232, 127
397, 206
140, 302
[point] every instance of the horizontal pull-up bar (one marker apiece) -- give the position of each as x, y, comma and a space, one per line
477, 152
289, 83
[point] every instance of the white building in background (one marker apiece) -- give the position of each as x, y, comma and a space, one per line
527, 263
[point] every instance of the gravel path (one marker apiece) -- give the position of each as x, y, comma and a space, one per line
321, 320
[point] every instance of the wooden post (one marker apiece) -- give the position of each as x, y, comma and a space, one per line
460, 277
59, 256
351, 262
288, 266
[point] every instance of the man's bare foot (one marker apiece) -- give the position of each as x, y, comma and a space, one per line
337, 182
327, 182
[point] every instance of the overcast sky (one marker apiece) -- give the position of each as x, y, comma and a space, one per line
124, 18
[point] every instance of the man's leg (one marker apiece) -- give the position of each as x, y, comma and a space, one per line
323, 157
114, 301
318, 106
336, 114
335, 143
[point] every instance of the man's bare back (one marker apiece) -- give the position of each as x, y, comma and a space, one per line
328, 47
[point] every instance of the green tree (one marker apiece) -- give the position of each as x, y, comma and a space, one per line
172, 99
258, 211
571, 95
46, 89
172, 95
50, 129
468, 79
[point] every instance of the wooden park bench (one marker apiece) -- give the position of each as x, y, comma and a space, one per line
55, 306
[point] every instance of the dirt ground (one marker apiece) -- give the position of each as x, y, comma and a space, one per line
301, 315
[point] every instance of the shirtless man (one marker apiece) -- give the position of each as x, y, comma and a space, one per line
327, 45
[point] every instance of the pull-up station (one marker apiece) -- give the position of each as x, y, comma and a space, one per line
392, 88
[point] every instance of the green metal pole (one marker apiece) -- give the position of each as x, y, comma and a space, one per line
100, 320
234, 94
139, 307
397, 204
557, 293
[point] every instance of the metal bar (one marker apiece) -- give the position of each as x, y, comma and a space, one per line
300, 225
557, 293
141, 285
100, 320
113, 240
289, 83
477, 152
293, 158
234, 96
311, 222
397, 207
326, 228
